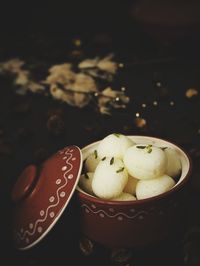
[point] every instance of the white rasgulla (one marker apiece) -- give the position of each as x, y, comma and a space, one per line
110, 178
85, 182
114, 145
131, 185
173, 162
145, 161
153, 187
92, 161
124, 196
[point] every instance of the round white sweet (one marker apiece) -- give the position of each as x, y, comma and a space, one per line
173, 162
114, 145
85, 182
92, 161
124, 196
131, 185
153, 187
145, 161
110, 178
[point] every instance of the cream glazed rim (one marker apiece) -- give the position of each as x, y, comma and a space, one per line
186, 164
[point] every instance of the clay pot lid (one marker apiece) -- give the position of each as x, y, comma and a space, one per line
41, 195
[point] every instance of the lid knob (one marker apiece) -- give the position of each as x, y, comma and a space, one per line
24, 184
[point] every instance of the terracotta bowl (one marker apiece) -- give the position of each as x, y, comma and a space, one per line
141, 223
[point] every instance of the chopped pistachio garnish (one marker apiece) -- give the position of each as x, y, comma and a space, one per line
163, 148
141, 147
103, 159
120, 170
117, 135
86, 176
95, 154
149, 148
112, 161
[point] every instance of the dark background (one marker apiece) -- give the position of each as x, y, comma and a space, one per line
157, 42
138, 28
72, 16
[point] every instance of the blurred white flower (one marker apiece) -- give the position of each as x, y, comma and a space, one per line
80, 99
76, 89
111, 98
61, 74
26, 84
104, 99
13, 65
30, 86
57, 93
84, 83
22, 78
117, 95
35, 87
76, 92
104, 110
88, 63
107, 65
109, 92
95, 67
72, 98
60, 68
68, 86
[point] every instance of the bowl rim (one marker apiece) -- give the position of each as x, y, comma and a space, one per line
164, 195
